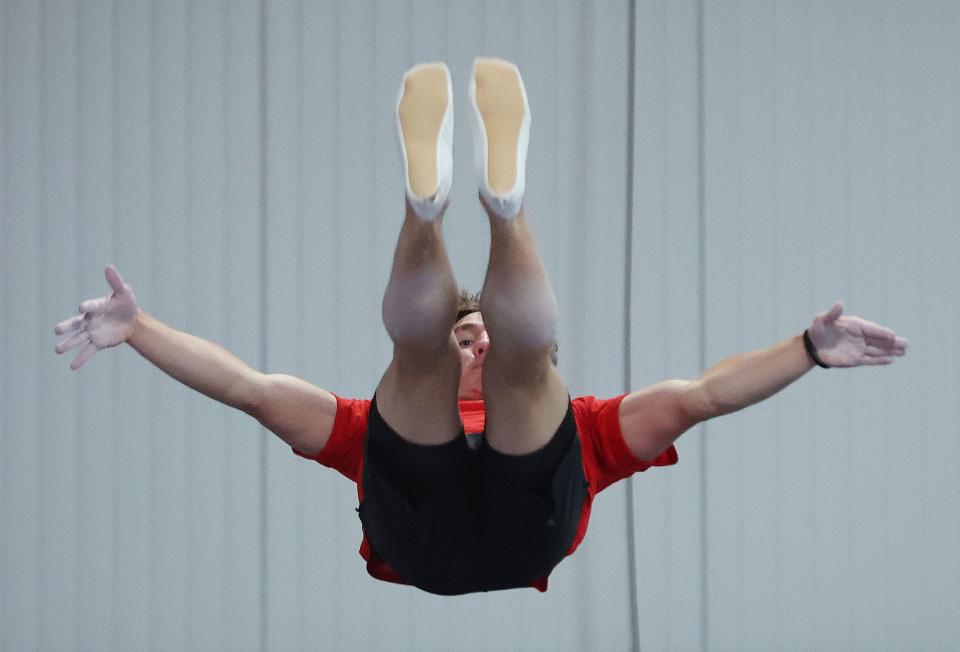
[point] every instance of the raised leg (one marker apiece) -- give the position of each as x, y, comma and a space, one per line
526, 399
417, 395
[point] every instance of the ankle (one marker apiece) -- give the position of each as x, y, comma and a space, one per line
501, 209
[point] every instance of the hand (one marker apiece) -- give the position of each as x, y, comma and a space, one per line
102, 323
848, 341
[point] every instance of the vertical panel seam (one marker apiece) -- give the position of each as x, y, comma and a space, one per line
702, 331
225, 249
298, 15
628, 309
38, 280
153, 480
114, 420
78, 49
778, 414
3, 297
262, 38
189, 150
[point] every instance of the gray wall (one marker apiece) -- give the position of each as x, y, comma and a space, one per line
704, 177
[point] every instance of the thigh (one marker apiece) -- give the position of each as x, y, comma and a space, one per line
416, 505
525, 403
532, 506
417, 396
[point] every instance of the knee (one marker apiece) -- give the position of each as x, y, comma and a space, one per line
527, 326
419, 321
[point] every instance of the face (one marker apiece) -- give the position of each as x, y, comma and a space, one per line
473, 342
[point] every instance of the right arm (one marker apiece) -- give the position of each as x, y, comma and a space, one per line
201, 365
299, 413
652, 418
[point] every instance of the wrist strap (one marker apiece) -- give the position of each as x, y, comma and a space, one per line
812, 351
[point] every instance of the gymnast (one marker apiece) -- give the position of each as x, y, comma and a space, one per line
475, 469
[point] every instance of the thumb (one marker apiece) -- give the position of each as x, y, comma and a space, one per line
114, 278
834, 313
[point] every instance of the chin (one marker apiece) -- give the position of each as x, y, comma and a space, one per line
471, 394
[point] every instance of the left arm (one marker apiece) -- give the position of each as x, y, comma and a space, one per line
652, 418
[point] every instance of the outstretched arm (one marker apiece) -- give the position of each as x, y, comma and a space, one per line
197, 363
652, 418
296, 411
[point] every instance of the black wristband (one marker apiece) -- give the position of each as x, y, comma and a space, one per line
812, 351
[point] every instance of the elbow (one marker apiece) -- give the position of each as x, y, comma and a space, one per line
702, 403
248, 392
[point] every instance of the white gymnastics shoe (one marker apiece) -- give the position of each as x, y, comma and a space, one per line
425, 127
501, 133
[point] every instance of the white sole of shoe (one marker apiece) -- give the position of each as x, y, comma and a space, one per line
424, 116
501, 133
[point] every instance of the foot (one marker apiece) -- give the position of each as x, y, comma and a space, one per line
425, 128
501, 134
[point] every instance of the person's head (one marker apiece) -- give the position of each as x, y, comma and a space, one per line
473, 342
467, 302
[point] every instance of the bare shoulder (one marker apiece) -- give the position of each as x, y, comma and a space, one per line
298, 412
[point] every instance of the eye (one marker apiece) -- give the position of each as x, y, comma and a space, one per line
465, 343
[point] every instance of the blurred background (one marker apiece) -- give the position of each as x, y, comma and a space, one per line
704, 177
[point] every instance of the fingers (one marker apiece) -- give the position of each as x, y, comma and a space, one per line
882, 360
880, 336
68, 325
94, 306
114, 278
885, 339
882, 346
876, 331
84, 355
897, 347
73, 342
883, 342
883, 352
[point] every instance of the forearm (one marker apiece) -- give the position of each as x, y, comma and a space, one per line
195, 362
742, 380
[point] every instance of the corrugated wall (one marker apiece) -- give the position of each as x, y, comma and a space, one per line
831, 171
703, 178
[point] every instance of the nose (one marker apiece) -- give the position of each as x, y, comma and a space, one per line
483, 343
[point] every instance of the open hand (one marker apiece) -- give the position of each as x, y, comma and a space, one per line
848, 341
102, 323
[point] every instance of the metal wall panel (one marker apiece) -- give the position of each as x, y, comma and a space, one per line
94, 391
823, 176
115, 114
57, 550
20, 595
242, 325
665, 324
171, 190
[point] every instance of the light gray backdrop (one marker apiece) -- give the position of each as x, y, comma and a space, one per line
704, 177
